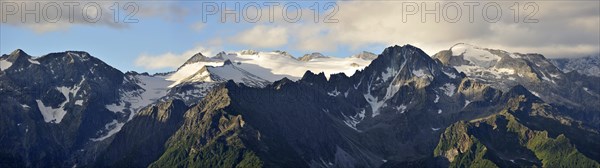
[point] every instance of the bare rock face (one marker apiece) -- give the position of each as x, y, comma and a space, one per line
53, 105
503, 70
308, 57
365, 55
589, 65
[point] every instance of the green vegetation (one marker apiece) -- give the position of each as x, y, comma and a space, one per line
461, 146
210, 137
461, 149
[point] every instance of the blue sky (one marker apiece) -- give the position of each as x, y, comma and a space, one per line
169, 31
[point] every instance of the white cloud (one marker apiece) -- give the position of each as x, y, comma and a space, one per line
564, 28
310, 38
57, 16
262, 36
169, 59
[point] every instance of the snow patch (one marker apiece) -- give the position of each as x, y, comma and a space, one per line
55, 115
334, 93
33, 61
475, 55
450, 74
154, 87
374, 103
202, 77
588, 90
437, 98
189, 70
544, 77
497, 73
112, 127
435, 129
401, 108
506, 71
513, 55
352, 121
535, 93
439, 111
79, 102
387, 74
5, 64
51, 115
419, 73
448, 89
116, 108
238, 75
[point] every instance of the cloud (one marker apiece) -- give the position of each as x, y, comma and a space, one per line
560, 27
62, 15
54, 16
169, 59
167, 10
262, 36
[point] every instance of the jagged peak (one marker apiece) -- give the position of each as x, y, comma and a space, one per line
311, 77
72, 55
407, 52
198, 57
365, 55
283, 52
248, 52
220, 55
18, 52
521, 90
227, 62
79, 53
282, 82
338, 76
128, 73
471, 46
397, 48
311, 56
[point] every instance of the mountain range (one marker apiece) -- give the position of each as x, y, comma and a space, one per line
462, 107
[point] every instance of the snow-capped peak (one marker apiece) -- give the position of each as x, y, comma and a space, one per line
589, 65
475, 55
18, 52
309, 57
284, 53
189, 69
248, 52
272, 66
365, 55
196, 58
